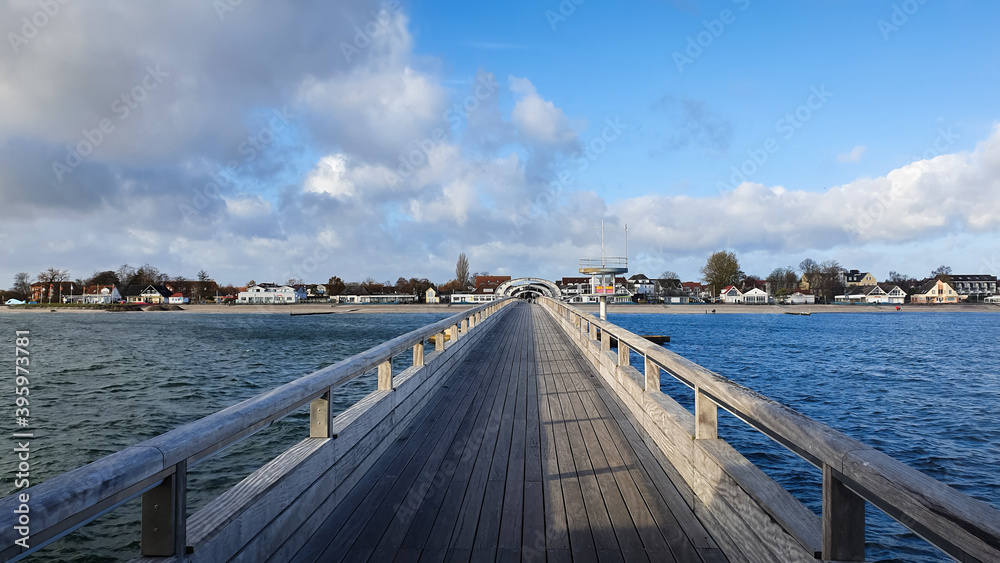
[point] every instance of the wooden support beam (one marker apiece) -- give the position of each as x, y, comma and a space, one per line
843, 520
385, 375
418, 354
706, 426
652, 376
164, 516
623, 351
320, 421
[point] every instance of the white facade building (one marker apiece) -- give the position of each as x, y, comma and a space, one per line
270, 294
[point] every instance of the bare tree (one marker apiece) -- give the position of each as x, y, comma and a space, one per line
22, 284
462, 270
669, 275
125, 274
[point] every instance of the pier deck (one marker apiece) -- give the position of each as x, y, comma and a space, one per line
522, 455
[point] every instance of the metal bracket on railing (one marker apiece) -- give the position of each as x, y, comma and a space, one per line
843, 520
164, 516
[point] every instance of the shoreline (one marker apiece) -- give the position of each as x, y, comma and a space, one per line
347, 308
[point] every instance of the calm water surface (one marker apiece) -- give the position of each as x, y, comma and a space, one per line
924, 388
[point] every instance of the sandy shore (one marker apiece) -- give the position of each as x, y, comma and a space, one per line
452, 309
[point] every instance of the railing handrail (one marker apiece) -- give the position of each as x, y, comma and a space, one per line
942, 515
65, 502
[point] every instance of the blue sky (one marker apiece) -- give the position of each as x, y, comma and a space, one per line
863, 132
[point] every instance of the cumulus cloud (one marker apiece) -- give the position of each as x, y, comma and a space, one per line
537, 119
928, 198
202, 173
854, 155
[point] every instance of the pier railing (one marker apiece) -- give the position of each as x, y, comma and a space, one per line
156, 469
743, 501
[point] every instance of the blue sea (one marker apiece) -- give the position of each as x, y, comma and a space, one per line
923, 387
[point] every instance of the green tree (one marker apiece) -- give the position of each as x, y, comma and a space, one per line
722, 269
203, 276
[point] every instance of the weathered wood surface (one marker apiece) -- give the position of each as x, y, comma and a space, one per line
519, 457
740, 504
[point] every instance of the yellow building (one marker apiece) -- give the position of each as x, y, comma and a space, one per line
934, 291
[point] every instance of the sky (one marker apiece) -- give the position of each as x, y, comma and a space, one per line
270, 141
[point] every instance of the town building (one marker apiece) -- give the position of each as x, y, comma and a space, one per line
855, 277
934, 291
271, 294
431, 296
756, 296
801, 297
731, 294
974, 287
95, 294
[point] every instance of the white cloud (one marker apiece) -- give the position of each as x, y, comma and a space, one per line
854, 155
539, 120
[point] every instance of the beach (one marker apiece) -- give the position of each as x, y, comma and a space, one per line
691, 309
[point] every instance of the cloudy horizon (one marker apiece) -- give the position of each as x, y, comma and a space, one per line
371, 139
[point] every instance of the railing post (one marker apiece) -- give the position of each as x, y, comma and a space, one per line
439, 341
843, 520
706, 424
453, 330
605, 341
385, 375
164, 516
418, 354
465, 326
320, 421
622, 353
652, 376
593, 331
472, 321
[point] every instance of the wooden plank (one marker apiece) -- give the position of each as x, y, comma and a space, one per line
437, 539
505, 459
368, 520
343, 520
426, 534
422, 501
463, 536
623, 524
578, 524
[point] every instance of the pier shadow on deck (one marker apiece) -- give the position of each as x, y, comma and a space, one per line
521, 455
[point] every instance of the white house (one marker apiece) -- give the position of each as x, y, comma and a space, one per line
731, 294
801, 298
642, 285
96, 294
269, 294
756, 296
177, 299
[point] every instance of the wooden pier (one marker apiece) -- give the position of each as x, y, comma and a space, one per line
525, 435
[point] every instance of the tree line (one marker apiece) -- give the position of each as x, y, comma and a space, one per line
825, 278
